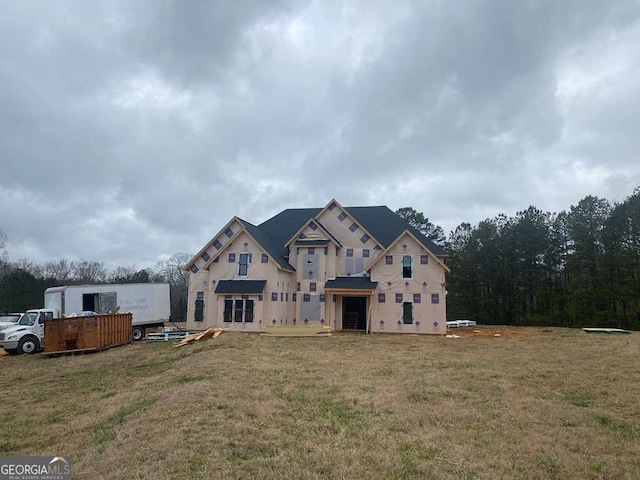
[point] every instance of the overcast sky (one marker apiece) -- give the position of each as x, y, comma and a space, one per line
130, 130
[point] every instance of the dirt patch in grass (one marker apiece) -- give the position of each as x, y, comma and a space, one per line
484, 331
532, 403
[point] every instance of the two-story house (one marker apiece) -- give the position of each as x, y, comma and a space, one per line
351, 268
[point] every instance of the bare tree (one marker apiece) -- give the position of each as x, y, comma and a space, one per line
88, 271
58, 269
172, 269
28, 266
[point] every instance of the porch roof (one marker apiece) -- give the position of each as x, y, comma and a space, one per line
240, 286
350, 283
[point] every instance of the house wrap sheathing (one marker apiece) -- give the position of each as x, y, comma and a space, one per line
351, 268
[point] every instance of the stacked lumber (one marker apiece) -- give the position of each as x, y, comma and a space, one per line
196, 337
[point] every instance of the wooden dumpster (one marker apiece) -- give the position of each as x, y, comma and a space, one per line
86, 334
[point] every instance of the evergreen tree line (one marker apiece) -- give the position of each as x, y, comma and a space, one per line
574, 268
22, 283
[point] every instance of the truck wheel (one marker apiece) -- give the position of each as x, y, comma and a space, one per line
137, 333
28, 345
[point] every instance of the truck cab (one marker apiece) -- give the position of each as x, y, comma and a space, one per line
27, 335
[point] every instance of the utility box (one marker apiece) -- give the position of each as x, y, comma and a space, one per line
86, 334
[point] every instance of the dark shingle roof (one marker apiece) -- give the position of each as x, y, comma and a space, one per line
241, 286
351, 283
386, 226
379, 221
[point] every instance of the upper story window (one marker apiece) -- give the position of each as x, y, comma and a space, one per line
424, 259
407, 266
342, 216
264, 258
353, 227
243, 265
205, 256
228, 232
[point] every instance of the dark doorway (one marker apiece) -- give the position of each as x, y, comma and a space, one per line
354, 313
89, 302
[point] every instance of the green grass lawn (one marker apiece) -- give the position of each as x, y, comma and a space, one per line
556, 404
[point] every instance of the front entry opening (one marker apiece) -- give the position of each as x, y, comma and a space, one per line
354, 313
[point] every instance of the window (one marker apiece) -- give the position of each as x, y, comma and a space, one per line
353, 227
216, 260
274, 296
388, 259
265, 258
424, 259
194, 269
312, 287
398, 298
416, 298
228, 232
232, 258
326, 250
407, 313
365, 238
365, 253
217, 244
349, 252
332, 206
311, 250
406, 266
205, 256
342, 216
435, 298
238, 310
198, 315
322, 298
295, 297
381, 298
297, 286
313, 226
282, 296
243, 265
306, 297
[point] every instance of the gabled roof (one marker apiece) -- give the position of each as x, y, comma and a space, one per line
406, 231
383, 225
386, 226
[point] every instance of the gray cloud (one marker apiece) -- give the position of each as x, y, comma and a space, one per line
129, 130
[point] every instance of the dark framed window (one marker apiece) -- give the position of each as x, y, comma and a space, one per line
313, 226
274, 296
322, 298
238, 310
435, 298
326, 250
297, 286
232, 258
311, 251
332, 206
388, 259
294, 297
198, 315
424, 259
302, 236
342, 216
407, 313
264, 258
194, 269
398, 298
365, 253
243, 265
407, 266
286, 297
416, 298
216, 260
381, 298
353, 227
306, 297
217, 244
349, 252
228, 232
312, 287
365, 238
205, 256
282, 296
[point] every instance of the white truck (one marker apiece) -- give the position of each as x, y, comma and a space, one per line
148, 303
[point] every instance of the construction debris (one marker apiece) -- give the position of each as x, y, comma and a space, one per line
607, 330
196, 337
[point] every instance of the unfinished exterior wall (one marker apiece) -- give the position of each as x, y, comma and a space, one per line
425, 290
